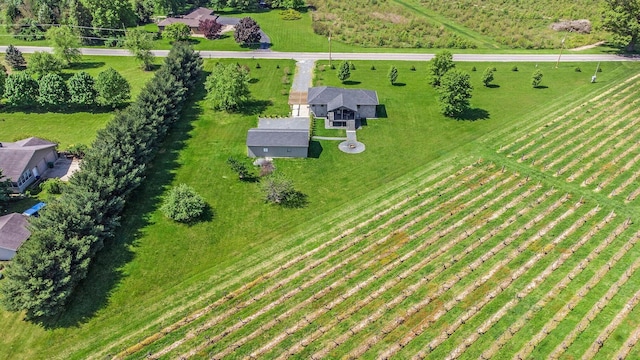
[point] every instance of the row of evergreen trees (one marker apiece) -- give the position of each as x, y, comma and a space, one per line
74, 227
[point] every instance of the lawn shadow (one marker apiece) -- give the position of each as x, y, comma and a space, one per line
351, 82
106, 270
381, 111
315, 149
88, 65
64, 109
473, 114
541, 87
253, 80
254, 107
493, 86
399, 84
298, 200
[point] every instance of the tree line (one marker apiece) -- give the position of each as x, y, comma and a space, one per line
50, 89
74, 227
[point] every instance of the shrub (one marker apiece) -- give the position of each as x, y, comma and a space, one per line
183, 204
372, 67
473, 69
536, 78
514, 68
413, 68
280, 190
239, 168
290, 14
577, 69
176, 32
78, 151
53, 186
257, 65
352, 66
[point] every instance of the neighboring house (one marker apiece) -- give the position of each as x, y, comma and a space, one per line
193, 19
13, 232
342, 107
279, 138
26, 160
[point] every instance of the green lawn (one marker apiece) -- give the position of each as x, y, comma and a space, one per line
155, 271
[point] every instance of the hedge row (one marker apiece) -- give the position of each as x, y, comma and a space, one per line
73, 228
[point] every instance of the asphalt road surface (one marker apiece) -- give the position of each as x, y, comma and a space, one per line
268, 54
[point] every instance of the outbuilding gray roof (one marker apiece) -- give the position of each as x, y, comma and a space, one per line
278, 137
335, 97
13, 231
15, 157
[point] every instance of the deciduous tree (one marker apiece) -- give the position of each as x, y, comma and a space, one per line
210, 28
41, 63
139, 44
454, 92
440, 65
176, 32
344, 72
280, 190
228, 87
113, 89
143, 10
65, 44
536, 78
247, 31
393, 75
21, 89
111, 14
82, 90
487, 76
52, 90
622, 17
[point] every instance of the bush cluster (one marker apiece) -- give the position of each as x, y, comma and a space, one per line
73, 228
109, 88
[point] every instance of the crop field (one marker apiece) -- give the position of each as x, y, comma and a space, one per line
499, 258
597, 145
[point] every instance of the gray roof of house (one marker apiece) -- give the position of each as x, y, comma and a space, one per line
16, 156
13, 231
300, 123
335, 97
278, 137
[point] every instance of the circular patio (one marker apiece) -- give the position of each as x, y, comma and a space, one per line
351, 147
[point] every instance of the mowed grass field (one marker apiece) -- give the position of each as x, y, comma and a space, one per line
70, 126
155, 273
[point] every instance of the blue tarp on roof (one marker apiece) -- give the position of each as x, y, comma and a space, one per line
34, 209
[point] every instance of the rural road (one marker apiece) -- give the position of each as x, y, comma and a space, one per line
267, 54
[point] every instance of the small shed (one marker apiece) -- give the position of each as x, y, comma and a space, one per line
279, 138
13, 232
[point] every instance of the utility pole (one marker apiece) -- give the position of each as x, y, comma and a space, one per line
329, 48
561, 48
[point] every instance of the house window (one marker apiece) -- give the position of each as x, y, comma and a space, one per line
288, 150
265, 150
24, 177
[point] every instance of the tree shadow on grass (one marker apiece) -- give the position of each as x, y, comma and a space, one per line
254, 107
493, 86
253, 80
473, 114
63, 109
297, 200
400, 84
87, 65
351, 82
105, 272
541, 87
